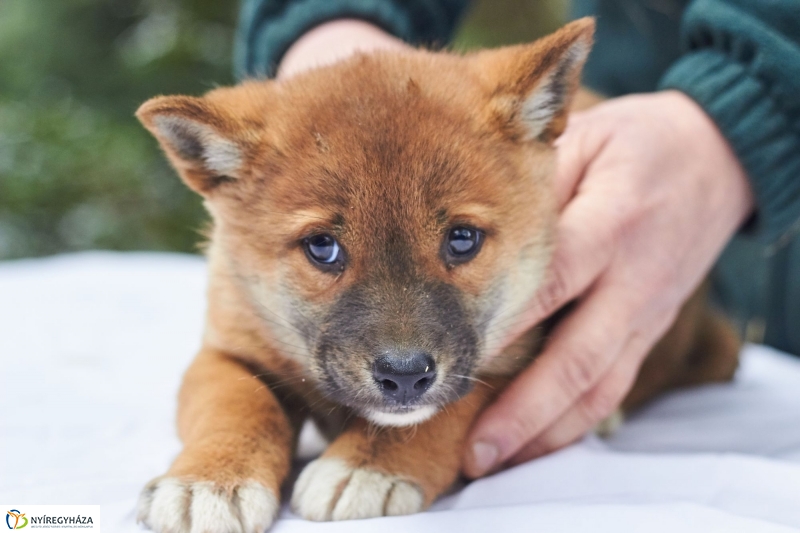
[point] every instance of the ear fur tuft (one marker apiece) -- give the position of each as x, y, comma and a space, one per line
190, 132
533, 85
199, 143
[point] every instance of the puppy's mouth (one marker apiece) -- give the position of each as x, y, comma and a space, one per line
406, 416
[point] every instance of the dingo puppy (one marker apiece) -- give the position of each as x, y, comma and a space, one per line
376, 224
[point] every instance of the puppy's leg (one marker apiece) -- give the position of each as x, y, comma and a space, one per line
237, 451
373, 471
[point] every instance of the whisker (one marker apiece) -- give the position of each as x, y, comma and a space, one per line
471, 378
286, 323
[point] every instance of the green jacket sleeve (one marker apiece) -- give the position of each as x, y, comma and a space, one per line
742, 65
268, 27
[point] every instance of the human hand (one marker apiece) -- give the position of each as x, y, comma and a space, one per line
650, 192
332, 41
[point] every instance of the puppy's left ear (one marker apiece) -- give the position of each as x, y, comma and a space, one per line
532, 86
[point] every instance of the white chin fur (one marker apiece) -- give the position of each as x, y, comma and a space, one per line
410, 418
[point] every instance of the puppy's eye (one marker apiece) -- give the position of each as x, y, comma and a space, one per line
462, 243
322, 249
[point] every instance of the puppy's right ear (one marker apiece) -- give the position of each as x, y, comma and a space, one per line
198, 138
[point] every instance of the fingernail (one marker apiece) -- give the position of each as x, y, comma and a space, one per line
484, 456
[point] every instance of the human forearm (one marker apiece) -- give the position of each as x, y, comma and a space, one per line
269, 28
741, 67
333, 41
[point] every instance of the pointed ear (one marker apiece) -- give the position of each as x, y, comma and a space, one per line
531, 86
197, 137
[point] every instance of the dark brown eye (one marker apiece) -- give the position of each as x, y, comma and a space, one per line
462, 243
323, 249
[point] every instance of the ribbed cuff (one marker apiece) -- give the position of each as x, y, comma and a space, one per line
757, 130
265, 37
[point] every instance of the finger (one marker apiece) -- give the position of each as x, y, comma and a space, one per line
594, 406
585, 236
580, 352
579, 145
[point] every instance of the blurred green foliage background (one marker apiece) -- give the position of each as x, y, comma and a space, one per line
76, 169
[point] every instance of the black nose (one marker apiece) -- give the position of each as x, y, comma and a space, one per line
404, 376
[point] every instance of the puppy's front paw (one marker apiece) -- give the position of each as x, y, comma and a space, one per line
173, 505
330, 489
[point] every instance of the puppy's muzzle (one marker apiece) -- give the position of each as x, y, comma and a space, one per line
404, 376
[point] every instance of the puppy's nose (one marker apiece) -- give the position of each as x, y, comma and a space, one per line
404, 376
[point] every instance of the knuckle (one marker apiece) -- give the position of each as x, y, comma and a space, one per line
625, 214
616, 229
600, 404
578, 371
555, 291
665, 280
520, 429
634, 206
625, 220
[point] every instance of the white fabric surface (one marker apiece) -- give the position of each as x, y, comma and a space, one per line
92, 347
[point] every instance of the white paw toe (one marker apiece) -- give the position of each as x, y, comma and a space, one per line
329, 489
170, 505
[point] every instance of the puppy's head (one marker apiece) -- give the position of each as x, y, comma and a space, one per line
389, 215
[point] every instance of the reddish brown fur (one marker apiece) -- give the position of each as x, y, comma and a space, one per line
376, 148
